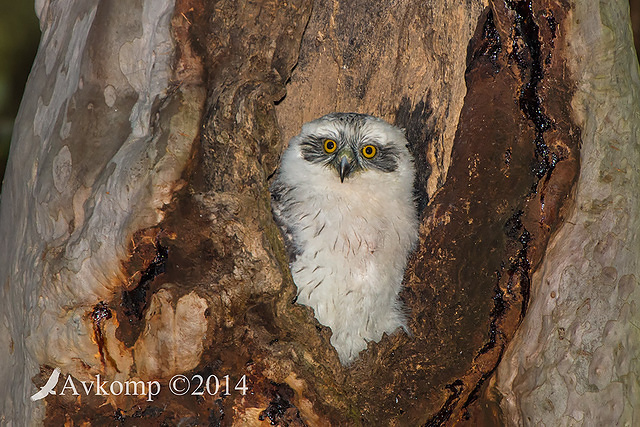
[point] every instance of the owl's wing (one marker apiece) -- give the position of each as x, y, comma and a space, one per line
279, 202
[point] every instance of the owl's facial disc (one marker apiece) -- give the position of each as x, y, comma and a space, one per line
349, 153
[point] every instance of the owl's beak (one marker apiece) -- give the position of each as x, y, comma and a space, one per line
344, 168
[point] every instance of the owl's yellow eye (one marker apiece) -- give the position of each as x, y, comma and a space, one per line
330, 145
369, 151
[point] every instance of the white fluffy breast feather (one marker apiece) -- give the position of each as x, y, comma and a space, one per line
352, 241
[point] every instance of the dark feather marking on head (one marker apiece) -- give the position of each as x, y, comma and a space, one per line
312, 148
385, 160
351, 118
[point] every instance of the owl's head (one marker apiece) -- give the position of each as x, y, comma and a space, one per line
352, 143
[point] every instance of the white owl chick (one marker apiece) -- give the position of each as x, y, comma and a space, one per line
343, 197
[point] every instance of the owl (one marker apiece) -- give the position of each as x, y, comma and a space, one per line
343, 198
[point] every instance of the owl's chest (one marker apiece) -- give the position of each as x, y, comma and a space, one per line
344, 224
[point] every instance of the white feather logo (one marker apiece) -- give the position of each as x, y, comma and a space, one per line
48, 387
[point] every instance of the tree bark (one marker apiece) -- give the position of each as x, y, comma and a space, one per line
99, 145
139, 243
574, 358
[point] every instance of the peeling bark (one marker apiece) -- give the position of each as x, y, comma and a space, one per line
574, 359
100, 143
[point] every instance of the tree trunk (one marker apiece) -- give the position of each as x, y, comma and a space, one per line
574, 358
140, 254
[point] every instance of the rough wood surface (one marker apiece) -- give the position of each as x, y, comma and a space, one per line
402, 61
100, 143
575, 359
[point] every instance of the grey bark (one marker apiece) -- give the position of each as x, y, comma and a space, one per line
574, 360
98, 148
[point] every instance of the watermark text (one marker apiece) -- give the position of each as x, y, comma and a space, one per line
179, 385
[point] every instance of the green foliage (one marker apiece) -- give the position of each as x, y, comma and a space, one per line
19, 37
